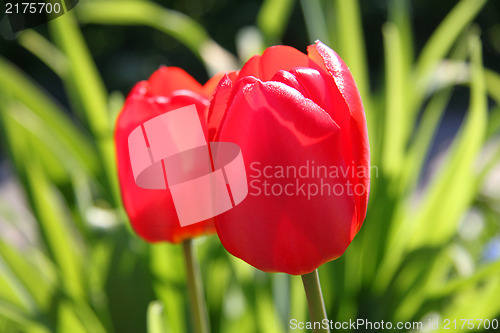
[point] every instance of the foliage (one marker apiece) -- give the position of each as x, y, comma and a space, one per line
413, 259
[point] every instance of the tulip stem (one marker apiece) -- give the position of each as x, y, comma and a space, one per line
197, 304
315, 301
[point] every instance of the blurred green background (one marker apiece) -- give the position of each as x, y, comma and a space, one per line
430, 245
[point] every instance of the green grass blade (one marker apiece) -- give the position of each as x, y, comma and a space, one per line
351, 42
87, 316
18, 86
267, 316
412, 165
45, 51
396, 127
351, 47
165, 262
12, 288
451, 287
494, 124
493, 87
85, 83
298, 301
20, 318
52, 153
431, 116
493, 84
478, 301
441, 41
417, 279
452, 188
315, 21
54, 224
181, 27
424, 137
281, 288
155, 318
273, 18
400, 15
27, 282
87, 90
17, 118
67, 320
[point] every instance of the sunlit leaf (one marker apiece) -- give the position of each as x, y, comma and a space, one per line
273, 18
439, 44
155, 320
396, 129
452, 189
315, 21
17, 85
186, 30
351, 47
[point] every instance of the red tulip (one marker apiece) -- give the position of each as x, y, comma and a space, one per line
294, 116
152, 212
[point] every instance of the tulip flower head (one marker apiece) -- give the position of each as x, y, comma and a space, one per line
301, 127
151, 211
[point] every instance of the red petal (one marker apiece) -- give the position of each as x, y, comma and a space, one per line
152, 212
273, 59
168, 79
210, 86
328, 59
216, 111
276, 126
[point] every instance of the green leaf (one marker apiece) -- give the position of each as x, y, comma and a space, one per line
45, 51
474, 302
315, 21
494, 123
351, 47
18, 86
86, 316
493, 84
84, 84
493, 87
453, 186
438, 46
24, 280
67, 320
266, 313
181, 27
486, 272
217, 278
273, 18
54, 222
51, 152
87, 90
453, 73
396, 129
423, 138
22, 319
166, 259
400, 15
414, 159
298, 301
417, 279
155, 320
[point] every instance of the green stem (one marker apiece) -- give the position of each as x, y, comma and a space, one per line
195, 289
317, 310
